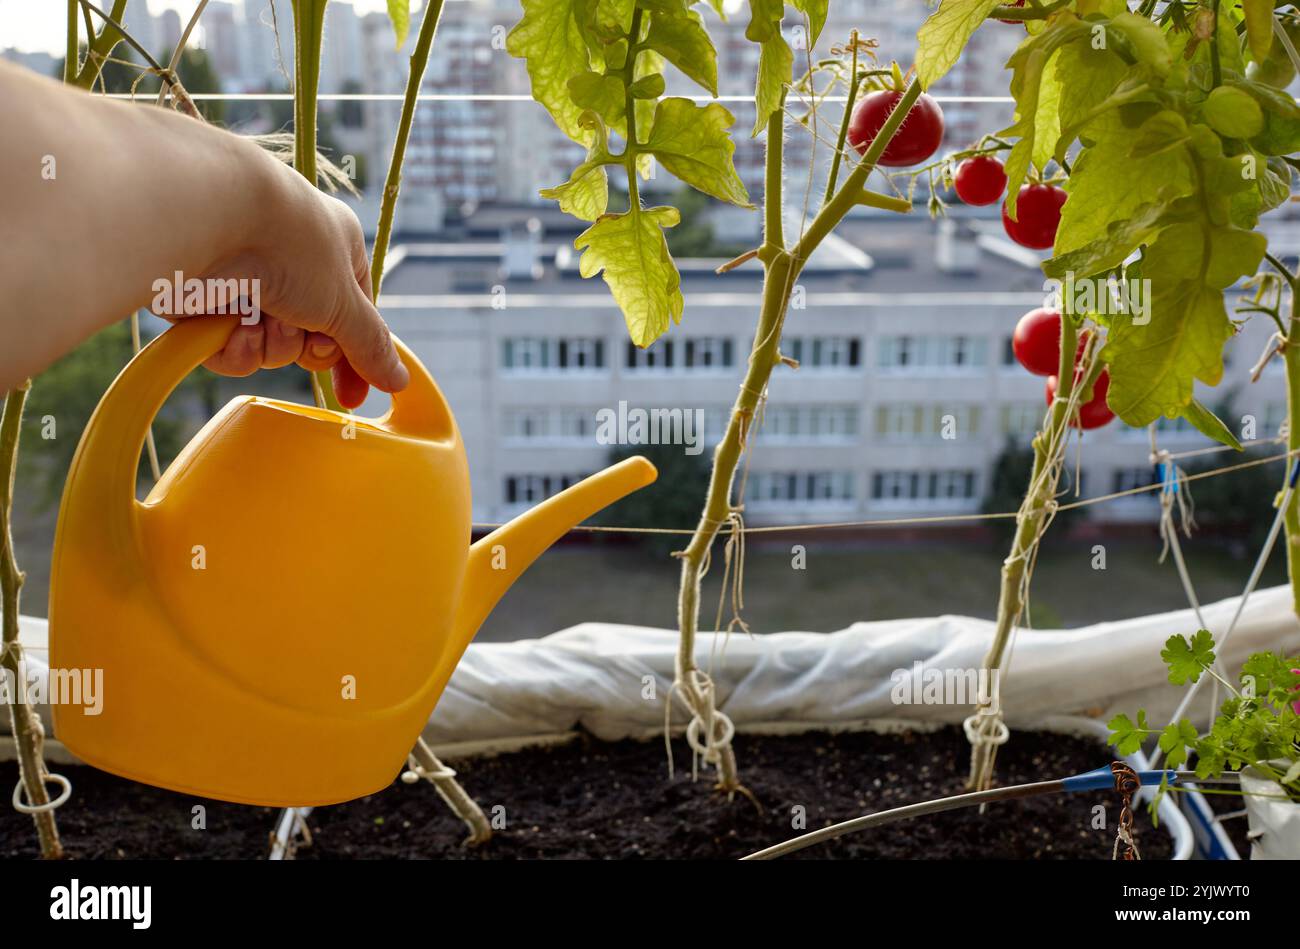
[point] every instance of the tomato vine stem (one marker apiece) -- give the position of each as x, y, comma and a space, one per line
782, 267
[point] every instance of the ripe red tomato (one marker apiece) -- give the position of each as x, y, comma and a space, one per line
917, 138
1018, 3
1095, 412
1037, 341
1038, 209
980, 180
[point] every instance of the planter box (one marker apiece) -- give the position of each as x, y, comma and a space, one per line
1274, 820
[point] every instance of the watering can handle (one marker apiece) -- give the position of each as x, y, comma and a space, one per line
116, 432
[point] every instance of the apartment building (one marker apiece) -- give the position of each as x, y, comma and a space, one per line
905, 394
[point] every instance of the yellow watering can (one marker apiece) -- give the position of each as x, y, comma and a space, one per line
276, 621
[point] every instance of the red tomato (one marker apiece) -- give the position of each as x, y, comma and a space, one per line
980, 180
917, 138
1095, 412
1037, 341
1038, 209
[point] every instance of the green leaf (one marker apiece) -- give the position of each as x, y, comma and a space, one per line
1047, 115
1188, 658
944, 35
692, 142
1153, 365
586, 194
648, 87
554, 46
1110, 250
1146, 39
631, 251
816, 11
685, 43
1029, 64
604, 95
1126, 736
1108, 185
1174, 741
1210, 425
399, 11
775, 68
1259, 27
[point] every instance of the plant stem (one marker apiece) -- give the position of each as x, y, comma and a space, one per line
393, 184
448, 788
630, 152
1291, 360
98, 47
782, 268
1049, 443
72, 48
843, 136
25, 725
308, 29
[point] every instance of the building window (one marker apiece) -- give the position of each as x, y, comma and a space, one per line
942, 485
932, 352
690, 353
1020, 420
658, 355
533, 488
914, 422
533, 354
708, 352
812, 423
824, 352
783, 487
538, 424
1128, 479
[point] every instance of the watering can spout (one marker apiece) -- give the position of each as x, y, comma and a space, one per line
497, 560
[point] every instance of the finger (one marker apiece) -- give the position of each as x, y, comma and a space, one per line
243, 353
283, 343
349, 388
364, 338
319, 352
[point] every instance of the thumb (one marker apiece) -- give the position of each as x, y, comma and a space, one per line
366, 342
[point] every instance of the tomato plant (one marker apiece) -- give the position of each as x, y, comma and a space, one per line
980, 180
919, 137
1169, 149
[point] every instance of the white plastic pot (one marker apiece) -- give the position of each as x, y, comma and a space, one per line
1274, 818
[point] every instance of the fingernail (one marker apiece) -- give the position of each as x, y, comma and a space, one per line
323, 350
287, 329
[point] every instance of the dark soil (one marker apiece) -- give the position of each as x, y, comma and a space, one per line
591, 799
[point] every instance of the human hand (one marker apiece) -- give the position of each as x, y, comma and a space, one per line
306, 252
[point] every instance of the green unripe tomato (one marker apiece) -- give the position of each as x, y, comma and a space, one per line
1233, 113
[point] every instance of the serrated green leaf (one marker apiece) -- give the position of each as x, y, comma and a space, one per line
631, 252
554, 46
692, 143
685, 43
586, 194
1153, 365
1047, 114
399, 12
1210, 425
1108, 185
1188, 658
1125, 735
1114, 247
1259, 27
945, 34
